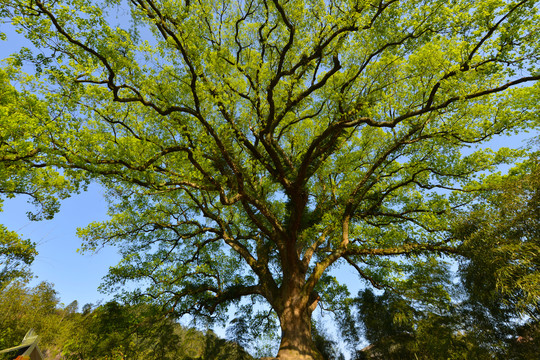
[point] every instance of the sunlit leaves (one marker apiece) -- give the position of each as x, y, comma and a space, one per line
16, 255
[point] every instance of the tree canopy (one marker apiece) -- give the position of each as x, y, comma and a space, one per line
23, 172
248, 148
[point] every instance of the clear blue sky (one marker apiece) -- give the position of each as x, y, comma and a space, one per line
75, 276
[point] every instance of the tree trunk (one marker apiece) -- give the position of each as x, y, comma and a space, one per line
296, 340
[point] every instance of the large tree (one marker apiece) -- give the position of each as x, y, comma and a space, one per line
250, 147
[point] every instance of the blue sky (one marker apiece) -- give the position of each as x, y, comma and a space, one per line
75, 276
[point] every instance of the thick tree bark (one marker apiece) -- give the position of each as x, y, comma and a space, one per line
294, 311
296, 340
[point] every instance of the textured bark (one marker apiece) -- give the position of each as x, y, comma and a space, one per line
294, 313
296, 340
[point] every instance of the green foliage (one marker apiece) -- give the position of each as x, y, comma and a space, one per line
115, 331
384, 316
109, 331
15, 255
397, 330
501, 237
327, 346
462, 331
23, 121
254, 330
249, 147
528, 342
23, 308
496, 314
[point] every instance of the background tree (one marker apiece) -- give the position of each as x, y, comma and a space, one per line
250, 147
109, 331
325, 343
254, 329
500, 272
120, 331
396, 329
465, 330
15, 256
501, 237
23, 308
496, 313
